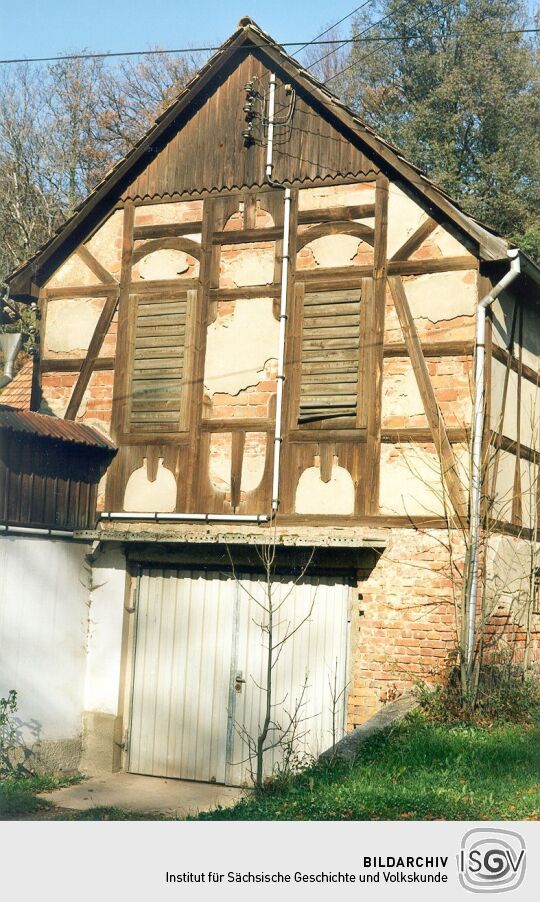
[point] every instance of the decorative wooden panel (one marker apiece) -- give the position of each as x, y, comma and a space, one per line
329, 355
208, 153
158, 364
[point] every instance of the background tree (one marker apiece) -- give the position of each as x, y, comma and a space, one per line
455, 86
62, 127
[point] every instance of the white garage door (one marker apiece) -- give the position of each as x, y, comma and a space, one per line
200, 664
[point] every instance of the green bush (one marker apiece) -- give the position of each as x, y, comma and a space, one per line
10, 741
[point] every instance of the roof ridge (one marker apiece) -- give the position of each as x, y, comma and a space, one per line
490, 244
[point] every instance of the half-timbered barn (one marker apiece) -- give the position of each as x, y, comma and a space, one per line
272, 316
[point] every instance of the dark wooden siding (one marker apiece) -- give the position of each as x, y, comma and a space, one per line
208, 153
48, 484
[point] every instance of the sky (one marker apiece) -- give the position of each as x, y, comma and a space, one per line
48, 27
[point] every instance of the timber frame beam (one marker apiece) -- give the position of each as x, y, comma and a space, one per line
436, 423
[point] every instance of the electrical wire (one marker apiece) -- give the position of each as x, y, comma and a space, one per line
315, 40
368, 55
359, 35
162, 52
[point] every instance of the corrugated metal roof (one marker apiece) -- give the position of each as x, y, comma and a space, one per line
18, 392
41, 426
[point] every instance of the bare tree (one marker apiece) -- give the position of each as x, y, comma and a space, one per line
287, 729
132, 94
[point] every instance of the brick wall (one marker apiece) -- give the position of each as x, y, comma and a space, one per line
403, 624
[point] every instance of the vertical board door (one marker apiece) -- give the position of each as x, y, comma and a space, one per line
200, 659
311, 622
181, 675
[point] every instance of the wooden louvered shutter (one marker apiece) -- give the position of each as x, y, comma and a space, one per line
158, 364
330, 355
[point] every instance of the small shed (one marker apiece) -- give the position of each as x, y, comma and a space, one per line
49, 471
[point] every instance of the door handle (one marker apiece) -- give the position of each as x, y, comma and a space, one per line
238, 681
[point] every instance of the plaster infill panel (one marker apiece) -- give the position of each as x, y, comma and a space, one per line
502, 315
73, 272
106, 244
443, 306
531, 337
442, 296
530, 414
247, 265
410, 482
220, 461
254, 460
334, 250
405, 216
401, 401
336, 196
509, 415
332, 498
145, 496
70, 325
504, 493
443, 244
509, 564
169, 213
239, 345
529, 486
166, 263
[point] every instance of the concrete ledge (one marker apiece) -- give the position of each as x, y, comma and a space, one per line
348, 747
245, 534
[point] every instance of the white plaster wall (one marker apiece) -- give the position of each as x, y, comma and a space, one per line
506, 468
528, 493
313, 496
502, 311
105, 633
43, 627
106, 244
498, 375
73, 272
531, 336
530, 414
509, 565
530, 405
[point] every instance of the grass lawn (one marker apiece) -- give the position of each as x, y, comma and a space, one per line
416, 771
18, 795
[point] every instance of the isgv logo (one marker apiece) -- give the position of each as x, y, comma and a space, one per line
491, 861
